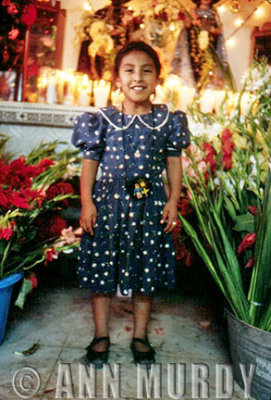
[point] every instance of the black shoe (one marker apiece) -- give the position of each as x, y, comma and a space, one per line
142, 357
97, 357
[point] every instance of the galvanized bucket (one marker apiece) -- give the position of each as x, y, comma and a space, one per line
248, 345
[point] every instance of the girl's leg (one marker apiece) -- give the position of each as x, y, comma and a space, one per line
101, 308
142, 307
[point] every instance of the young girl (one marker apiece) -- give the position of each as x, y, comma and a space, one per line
126, 216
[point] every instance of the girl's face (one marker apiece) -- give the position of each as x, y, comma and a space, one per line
137, 77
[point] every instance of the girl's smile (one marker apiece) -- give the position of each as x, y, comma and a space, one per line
137, 79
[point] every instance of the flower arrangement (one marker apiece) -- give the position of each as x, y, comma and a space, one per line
106, 30
228, 181
33, 195
16, 16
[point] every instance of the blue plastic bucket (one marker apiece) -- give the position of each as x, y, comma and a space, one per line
6, 286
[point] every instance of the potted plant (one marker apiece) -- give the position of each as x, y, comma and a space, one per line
33, 195
227, 177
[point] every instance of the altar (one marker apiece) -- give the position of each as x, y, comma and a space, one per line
29, 124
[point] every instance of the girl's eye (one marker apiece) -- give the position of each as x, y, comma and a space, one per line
129, 70
147, 70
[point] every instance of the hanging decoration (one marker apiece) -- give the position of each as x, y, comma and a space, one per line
235, 6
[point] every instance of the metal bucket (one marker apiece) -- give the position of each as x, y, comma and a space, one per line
248, 345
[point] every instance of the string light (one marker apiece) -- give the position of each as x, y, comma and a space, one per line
172, 27
259, 12
87, 7
230, 43
221, 9
238, 22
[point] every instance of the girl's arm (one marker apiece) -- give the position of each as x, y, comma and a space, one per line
174, 174
88, 215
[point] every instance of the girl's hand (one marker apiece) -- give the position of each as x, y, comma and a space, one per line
170, 215
88, 217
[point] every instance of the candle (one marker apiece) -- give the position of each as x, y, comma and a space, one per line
42, 83
159, 97
51, 88
186, 97
207, 101
172, 87
117, 97
69, 88
101, 91
84, 89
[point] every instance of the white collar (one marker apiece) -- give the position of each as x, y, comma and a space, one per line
114, 117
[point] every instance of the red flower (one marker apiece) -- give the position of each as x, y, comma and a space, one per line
252, 209
24, 198
18, 200
43, 165
50, 227
12, 9
29, 15
180, 250
6, 233
209, 156
247, 242
250, 262
59, 188
227, 148
34, 280
3, 198
17, 174
13, 34
184, 206
49, 254
5, 3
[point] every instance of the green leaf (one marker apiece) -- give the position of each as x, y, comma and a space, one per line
25, 289
245, 223
230, 207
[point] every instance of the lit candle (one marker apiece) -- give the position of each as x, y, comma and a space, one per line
101, 91
172, 87
207, 100
51, 88
84, 87
159, 97
42, 84
117, 97
186, 96
69, 88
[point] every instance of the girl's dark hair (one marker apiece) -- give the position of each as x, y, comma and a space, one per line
138, 46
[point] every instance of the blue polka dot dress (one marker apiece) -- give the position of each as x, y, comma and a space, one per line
129, 247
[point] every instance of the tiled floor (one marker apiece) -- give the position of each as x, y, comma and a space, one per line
182, 330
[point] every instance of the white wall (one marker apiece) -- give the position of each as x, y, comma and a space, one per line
238, 51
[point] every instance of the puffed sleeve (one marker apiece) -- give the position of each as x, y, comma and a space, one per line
88, 135
179, 135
